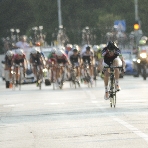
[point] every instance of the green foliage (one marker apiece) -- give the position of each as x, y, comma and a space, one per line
76, 14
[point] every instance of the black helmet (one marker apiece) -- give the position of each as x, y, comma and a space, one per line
75, 50
88, 48
111, 45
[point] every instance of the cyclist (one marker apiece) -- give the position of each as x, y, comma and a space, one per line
8, 64
74, 58
112, 54
61, 61
20, 58
97, 57
68, 48
87, 55
36, 58
22, 43
51, 62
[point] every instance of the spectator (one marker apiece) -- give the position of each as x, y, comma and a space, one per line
22, 43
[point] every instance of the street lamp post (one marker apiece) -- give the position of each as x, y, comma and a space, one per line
12, 31
35, 33
17, 34
59, 13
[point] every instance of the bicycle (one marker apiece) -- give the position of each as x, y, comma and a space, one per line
95, 69
53, 74
13, 78
87, 78
38, 74
112, 86
74, 80
20, 72
62, 75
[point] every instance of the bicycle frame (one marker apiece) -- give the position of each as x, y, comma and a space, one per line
87, 77
112, 89
38, 74
13, 71
63, 68
73, 75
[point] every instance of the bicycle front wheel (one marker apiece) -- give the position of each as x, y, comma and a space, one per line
20, 81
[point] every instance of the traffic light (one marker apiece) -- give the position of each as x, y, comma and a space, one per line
136, 25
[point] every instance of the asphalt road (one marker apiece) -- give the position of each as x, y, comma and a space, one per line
74, 118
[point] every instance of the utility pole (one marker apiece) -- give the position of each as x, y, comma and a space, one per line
136, 10
59, 13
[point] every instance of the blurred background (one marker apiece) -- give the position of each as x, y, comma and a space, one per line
79, 21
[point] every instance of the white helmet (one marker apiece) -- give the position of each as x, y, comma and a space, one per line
20, 52
53, 50
9, 53
59, 53
34, 51
95, 48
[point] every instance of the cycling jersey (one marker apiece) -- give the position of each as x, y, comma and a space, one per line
36, 59
107, 57
87, 56
61, 59
17, 59
97, 55
74, 58
52, 57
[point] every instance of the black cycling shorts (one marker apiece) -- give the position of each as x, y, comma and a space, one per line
19, 61
86, 58
61, 61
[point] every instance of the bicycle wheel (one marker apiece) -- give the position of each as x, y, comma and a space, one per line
20, 80
38, 80
13, 79
112, 93
114, 100
62, 80
95, 76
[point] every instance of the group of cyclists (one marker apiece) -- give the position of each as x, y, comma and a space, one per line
62, 58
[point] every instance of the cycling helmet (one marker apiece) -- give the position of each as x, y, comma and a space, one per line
34, 51
95, 48
75, 50
53, 50
88, 48
59, 53
9, 53
111, 45
68, 47
20, 52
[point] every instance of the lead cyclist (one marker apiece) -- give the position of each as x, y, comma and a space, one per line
112, 54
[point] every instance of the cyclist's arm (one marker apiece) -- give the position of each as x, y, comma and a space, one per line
123, 62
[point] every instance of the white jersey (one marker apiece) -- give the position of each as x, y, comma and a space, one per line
83, 53
70, 53
22, 45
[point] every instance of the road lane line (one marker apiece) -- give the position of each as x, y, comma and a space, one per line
54, 103
127, 125
13, 105
132, 128
92, 97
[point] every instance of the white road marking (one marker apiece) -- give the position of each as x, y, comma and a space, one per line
135, 100
92, 97
127, 125
132, 128
13, 105
54, 103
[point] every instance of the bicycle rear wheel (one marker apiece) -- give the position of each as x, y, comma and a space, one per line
20, 81
13, 82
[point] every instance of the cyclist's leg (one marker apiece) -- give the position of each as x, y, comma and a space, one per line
117, 62
106, 79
